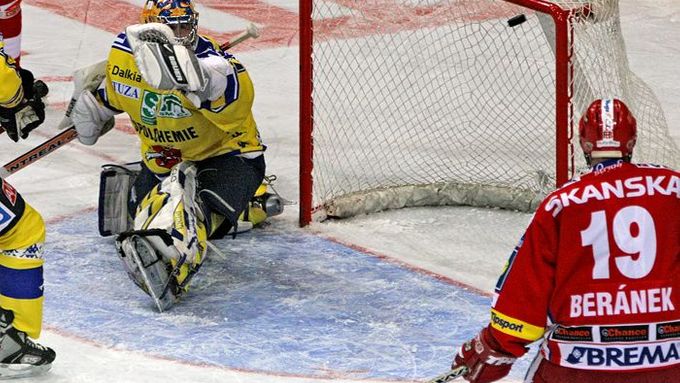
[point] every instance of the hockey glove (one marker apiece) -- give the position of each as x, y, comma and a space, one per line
91, 119
484, 362
30, 113
162, 62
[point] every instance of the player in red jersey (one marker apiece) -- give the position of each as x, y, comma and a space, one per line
10, 27
595, 274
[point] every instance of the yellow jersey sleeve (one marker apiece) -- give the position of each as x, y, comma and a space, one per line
11, 92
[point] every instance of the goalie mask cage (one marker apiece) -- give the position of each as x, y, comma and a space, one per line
446, 102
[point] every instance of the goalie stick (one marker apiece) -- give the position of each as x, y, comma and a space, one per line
89, 76
39, 152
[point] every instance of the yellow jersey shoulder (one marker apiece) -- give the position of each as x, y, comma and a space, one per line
11, 92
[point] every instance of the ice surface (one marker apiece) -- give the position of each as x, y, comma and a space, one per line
287, 305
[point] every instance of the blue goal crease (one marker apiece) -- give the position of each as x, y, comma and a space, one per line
283, 301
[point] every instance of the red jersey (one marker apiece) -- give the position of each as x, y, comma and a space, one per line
597, 273
10, 26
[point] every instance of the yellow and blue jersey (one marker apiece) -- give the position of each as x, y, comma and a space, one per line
22, 232
171, 129
11, 92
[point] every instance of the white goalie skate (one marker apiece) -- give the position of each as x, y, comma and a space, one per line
148, 270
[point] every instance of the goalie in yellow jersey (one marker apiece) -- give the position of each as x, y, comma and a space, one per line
22, 233
202, 158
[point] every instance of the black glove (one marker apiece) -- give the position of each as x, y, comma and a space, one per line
30, 113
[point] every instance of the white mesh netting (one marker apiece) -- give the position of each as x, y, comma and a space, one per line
427, 102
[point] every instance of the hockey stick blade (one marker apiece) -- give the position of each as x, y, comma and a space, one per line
451, 375
39, 152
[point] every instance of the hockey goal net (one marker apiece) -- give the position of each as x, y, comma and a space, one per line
476, 102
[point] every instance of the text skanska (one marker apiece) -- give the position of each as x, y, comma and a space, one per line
627, 188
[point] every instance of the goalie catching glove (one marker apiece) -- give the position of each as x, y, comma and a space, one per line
167, 65
162, 64
20, 120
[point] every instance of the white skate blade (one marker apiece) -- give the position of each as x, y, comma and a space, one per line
15, 371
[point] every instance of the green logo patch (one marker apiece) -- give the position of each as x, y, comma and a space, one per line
170, 107
150, 101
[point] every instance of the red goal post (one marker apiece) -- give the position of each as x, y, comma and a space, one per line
447, 102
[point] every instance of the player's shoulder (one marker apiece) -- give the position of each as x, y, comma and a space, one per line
554, 201
655, 168
121, 43
207, 46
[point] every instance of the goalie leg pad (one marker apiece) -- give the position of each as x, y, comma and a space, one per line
115, 184
171, 207
168, 243
147, 269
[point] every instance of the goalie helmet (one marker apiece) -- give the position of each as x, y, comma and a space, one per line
608, 130
179, 15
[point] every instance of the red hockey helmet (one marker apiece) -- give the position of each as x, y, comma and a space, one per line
608, 130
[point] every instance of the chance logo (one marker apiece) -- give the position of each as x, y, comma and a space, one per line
668, 330
150, 101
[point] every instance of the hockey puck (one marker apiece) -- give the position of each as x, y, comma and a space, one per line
517, 20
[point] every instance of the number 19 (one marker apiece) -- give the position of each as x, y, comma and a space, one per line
644, 243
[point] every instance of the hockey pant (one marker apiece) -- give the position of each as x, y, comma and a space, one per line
22, 233
542, 371
10, 27
225, 185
